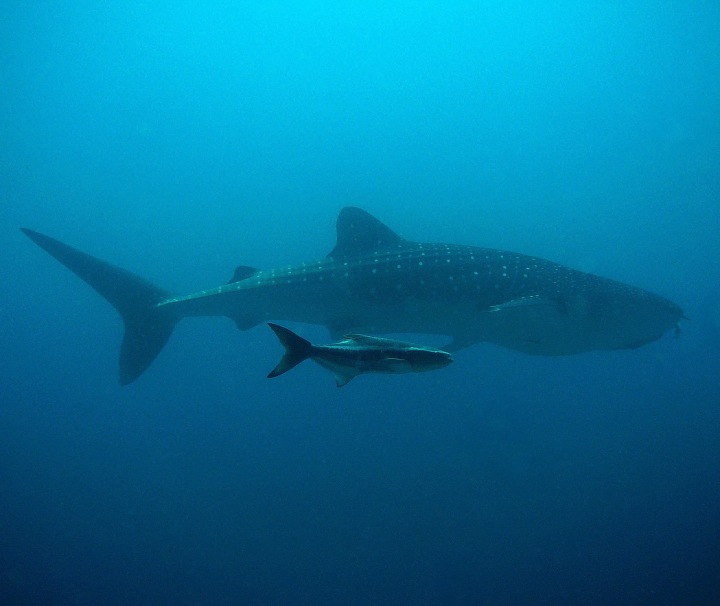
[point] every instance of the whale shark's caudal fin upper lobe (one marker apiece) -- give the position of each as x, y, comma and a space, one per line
147, 327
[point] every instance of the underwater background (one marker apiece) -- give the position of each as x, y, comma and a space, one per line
180, 139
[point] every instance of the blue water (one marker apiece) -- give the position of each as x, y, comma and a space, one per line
180, 139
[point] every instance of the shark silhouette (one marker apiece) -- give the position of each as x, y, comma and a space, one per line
374, 281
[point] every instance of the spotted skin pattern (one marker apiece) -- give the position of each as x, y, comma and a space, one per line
376, 282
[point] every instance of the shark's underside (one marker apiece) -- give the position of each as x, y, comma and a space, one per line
374, 281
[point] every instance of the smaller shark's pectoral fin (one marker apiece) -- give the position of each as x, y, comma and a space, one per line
344, 376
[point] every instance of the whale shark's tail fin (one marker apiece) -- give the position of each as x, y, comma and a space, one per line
147, 327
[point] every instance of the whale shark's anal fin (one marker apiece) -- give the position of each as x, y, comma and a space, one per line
147, 327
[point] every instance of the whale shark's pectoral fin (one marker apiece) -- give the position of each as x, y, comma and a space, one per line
521, 303
532, 310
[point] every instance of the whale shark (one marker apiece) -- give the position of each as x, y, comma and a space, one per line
357, 354
374, 281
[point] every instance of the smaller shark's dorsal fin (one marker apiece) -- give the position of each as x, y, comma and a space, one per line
359, 232
367, 340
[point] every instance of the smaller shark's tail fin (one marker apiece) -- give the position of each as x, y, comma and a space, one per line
147, 327
297, 349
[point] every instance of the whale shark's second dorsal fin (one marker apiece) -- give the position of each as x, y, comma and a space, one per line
358, 232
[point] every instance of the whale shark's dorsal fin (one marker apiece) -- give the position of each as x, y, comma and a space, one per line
358, 232
242, 272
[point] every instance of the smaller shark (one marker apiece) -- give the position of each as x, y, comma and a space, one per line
357, 354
